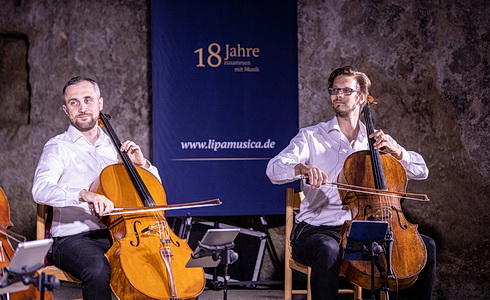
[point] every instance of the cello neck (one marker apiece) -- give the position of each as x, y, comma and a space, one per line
379, 176
138, 183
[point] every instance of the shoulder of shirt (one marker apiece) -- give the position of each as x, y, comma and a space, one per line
55, 144
322, 126
72, 134
62, 137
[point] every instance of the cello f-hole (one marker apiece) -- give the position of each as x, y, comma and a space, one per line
176, 243
402, 226
366, 209
136, 234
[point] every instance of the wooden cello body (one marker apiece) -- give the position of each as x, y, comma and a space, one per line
404, 254
147, 259
7, 252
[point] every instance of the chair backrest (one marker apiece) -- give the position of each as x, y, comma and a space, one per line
43, 217
43, 225
293, 201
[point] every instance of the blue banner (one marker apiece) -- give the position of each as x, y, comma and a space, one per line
225, 100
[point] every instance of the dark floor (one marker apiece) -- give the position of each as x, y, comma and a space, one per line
72, 291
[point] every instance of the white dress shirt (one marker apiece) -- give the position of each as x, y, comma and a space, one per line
325, 147
68, 164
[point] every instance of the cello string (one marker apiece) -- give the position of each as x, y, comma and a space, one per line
375, 161
138, 183
131, 169
374, 157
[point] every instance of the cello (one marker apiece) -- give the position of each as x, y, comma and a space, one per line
7, 252
404, 254
147, 259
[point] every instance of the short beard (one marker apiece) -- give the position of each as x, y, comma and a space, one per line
342, 113
84, 126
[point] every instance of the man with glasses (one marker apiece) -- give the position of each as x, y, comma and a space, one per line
316, 155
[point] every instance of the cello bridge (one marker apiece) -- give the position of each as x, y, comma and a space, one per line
382, 214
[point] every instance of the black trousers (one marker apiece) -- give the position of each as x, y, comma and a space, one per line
318, 247
82, 255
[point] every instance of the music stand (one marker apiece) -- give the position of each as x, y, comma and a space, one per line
27, 259
215, 248
365, 241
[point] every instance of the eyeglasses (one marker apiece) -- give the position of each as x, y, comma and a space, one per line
345, 91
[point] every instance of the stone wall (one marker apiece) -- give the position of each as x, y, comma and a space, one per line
428, 60
105, 40
429, 65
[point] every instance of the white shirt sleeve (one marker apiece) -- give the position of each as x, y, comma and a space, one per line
413, 163
46, 189
280, 169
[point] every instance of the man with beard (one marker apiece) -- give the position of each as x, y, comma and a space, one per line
68, 165
317, 154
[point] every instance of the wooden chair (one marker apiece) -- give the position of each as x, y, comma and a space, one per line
44, 214
293, 201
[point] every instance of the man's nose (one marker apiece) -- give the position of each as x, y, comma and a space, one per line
83, 107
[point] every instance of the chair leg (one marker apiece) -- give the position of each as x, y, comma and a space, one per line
308, 295
382, 295
288, 283
357, 292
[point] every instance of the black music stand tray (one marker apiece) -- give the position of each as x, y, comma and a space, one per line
27, 259
215, 248
365, 241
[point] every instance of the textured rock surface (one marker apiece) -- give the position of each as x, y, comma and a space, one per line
105, 40
428, 60
429, 64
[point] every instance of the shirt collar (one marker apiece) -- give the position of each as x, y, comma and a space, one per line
333, 125
74, 134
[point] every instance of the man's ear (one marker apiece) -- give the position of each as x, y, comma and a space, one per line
362, 99
101, 103
64, 109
